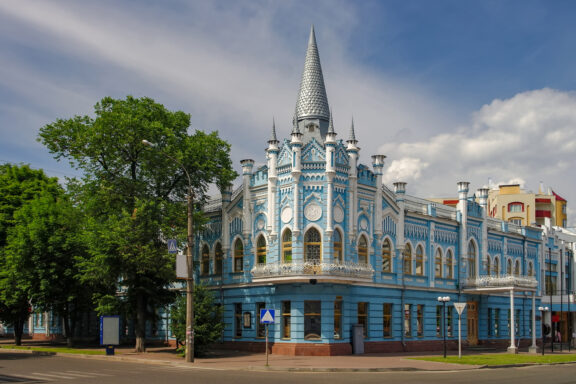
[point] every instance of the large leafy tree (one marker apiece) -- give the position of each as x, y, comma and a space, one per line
134, 194
46, 246
19, 185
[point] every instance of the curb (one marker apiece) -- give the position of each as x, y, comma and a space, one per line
130, 359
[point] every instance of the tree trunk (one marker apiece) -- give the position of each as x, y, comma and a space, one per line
140, 330
18, 331
67, 330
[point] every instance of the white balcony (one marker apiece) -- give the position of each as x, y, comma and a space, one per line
313, 270
503, 282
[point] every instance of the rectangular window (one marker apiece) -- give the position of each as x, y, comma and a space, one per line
260, 328
449, 321
387, 319
237, 319
407, 320
496, 322
439, 317
508, 320
363, 317
420, 320
312, 320
517, 322
338, 319
286, 314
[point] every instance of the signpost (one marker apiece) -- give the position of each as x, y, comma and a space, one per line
267, 317
460, 308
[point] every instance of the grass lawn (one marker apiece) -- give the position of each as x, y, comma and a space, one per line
55, 349
502, 359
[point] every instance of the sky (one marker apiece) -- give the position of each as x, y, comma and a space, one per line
448, 90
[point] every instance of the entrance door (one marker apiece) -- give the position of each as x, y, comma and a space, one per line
472, 316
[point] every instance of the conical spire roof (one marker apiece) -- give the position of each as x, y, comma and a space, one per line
352, 137
312, 99
274, 130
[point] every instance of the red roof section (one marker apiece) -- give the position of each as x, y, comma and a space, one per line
558, 197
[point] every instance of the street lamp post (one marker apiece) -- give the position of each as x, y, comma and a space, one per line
189, 261
444, 300
543, 310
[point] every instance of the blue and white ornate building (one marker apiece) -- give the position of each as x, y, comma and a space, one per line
316, 236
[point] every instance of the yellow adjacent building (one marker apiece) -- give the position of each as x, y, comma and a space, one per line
512, 204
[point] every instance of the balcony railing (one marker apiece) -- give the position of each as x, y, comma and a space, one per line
309, 268
503, 281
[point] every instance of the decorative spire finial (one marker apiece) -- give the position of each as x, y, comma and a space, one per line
352, 138
312, 100
274, 130
331, 124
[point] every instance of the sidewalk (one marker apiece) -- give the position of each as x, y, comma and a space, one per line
232, 360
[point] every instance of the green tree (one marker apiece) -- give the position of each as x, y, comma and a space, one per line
208, 325
45, 243
18, 186
138, 192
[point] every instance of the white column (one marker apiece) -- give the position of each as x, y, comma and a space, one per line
533, 348
512, 348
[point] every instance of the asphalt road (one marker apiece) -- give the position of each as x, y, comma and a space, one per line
26, 368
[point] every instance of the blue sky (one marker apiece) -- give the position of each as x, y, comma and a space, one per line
448, 90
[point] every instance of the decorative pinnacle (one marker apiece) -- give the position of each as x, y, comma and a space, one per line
274, 139
352, 138
331, 124
312, 100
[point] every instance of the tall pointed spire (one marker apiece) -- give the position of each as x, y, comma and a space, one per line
312, 100
331, 124
352, 138
274, 130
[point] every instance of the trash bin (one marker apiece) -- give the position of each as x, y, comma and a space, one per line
357, 339
109, 350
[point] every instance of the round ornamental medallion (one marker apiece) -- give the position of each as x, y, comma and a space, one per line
260, 224
364, 224
338, 214
286, 214
313, 212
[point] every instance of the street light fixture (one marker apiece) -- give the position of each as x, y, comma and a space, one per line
543, 310
444, 300
189, 261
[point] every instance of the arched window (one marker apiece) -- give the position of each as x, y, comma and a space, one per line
205, 264
488, 265
407, 259
517, 268
386, 256
287, 246
312, 245
471, 259
509, 267
238, 256
419, 260
438, 263
496, 266
363, 250
218, 259
449, 265
530, 269
261, 250
337, 239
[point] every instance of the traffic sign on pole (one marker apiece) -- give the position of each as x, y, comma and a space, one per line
172, 246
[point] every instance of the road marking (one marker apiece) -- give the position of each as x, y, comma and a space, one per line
92, 374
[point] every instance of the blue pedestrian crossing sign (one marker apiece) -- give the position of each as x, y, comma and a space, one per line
172, 246
267, 316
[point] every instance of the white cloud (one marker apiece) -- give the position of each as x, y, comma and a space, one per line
526, 139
